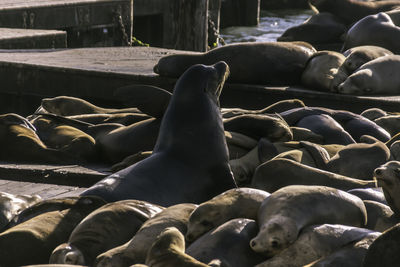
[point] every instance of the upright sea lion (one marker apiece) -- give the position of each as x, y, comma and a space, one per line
229, 243
272, 63
169, 251
314, 242
387, 177
69, 106
378, 30
235, 203
135, 250
288, 210
321, 69
172, 174
349, 11
377, 77
107, 227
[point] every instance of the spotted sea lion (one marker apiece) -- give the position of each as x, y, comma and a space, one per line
272, 63
169, 251
192, 118
378, 30
282, 215
377, 77
235, 203
107, 227
135, 250
314, 242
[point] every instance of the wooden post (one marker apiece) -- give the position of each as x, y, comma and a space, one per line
214, 8
187, 25
240, 13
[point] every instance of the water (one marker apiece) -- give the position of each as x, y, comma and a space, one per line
272, 25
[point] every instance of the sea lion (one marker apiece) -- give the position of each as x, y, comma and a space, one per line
235, 203
384, 251
321, 69
107, 227
238, 144
277, 173
243, 168
228, 243
257, 126
272, 63
11, 205
193, 104
390, 123
20, 143
373, 113
121, 118
374, 194
130, 160
351, 255
349, 11
320, 28
387, 177
169, 251
359, 55
373, 78
303, 134
314, 242
283, 214
378, 30
69, 106
380, 216
38, 236
135, 250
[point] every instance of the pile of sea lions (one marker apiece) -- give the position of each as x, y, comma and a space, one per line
286, 185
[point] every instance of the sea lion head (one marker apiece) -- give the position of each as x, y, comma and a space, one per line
202, 219
274, 236
358, 83
67, 254
387, 176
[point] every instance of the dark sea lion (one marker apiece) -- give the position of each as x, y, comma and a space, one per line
377, 77
69, 106
390, 123
320, 28
257, 126
378, 30
351, 255
238, 144
288, 210
314, 242
121, 118
38, 236
321, 69
387, 177
235, 203
374, 194
277, 173
107, 227
228, 243
169, 251
135, 250
11, 205
373, 113
384, 251
380, 216
193, 104
349, 11
272, 63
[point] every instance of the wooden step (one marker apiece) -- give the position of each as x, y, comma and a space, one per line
32, 39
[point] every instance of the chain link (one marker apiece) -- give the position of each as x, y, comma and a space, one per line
214, 33
121, 27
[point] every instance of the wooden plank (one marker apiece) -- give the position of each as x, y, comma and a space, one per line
32, 39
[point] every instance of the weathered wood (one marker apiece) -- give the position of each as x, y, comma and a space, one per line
88, 22
30, 39
214, 8
240, 13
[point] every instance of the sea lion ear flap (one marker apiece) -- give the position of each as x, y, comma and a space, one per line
149, 99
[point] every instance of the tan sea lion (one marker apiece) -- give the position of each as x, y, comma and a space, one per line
121, 118
272, 63
387, 177
172, 174
135, 250
390, 123
359, 55
105, 228
238, 144
69, 106
168, 250
283, 214
38, 236
314, 242
373, 113
235, 203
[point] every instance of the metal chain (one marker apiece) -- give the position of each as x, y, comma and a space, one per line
121, 27
214, 33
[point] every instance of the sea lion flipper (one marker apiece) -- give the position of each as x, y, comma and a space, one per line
149, 99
